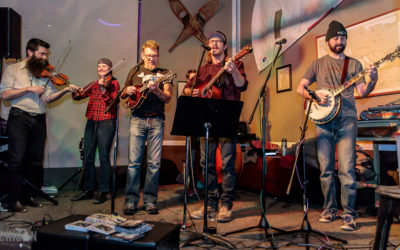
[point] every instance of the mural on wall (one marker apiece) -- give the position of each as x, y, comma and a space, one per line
192, 25
289, 19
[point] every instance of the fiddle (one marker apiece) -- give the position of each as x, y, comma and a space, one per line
81, 92
58, 79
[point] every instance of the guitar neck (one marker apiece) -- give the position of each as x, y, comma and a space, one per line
214, 79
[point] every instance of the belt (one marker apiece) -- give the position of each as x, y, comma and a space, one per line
148, 115
20, 111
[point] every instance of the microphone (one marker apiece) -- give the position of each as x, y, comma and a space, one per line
208, 48
312, 94
282, 41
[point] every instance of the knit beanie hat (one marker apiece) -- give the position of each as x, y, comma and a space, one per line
105, 61
335, 29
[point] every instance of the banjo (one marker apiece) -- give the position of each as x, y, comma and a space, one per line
322, 114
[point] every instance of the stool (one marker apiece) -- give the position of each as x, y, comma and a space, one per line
389, 206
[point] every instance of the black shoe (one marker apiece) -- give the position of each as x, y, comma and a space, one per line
101, 198
151, 210
17, 207
130, 208
84, 195
31, 201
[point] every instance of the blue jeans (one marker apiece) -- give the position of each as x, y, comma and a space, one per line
98, 134
341, 132
228, 153
142, 130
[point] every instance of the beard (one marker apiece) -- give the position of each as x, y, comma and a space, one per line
337, 49
150, 67
36, 66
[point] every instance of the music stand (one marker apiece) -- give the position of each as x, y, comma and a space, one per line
195, 116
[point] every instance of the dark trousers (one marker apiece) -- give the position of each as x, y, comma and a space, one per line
26, 140
98, 134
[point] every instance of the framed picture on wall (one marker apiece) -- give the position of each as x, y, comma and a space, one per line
284, 78
180, 86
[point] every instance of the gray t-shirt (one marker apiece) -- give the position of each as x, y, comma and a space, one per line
327, 72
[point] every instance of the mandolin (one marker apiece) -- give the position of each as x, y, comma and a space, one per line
135, 101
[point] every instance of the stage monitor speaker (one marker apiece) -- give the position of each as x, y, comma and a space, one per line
10, 33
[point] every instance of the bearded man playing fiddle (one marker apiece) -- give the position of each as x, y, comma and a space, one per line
28, 94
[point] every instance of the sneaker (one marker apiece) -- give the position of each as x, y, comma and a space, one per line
129, 208
328, 215
199, 214
349, 224
224, 215
151, 209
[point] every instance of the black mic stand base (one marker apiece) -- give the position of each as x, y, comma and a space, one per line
306, 231
79, 171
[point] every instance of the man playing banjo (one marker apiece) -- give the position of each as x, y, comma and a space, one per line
331, 71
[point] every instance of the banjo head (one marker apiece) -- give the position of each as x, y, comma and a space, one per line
321, 114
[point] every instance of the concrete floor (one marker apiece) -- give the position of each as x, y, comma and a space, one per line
247, 212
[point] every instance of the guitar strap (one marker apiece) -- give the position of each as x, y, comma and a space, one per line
345, 68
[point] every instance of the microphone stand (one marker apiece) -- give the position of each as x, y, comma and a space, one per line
305, 229
190, 236
116, 102
263, 220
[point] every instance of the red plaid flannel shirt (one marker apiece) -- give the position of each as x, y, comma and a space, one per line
98, 102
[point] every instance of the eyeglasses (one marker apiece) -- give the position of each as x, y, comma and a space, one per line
149, 57
211, 41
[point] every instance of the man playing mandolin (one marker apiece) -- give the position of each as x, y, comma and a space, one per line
228, 86
146, 96
330, 72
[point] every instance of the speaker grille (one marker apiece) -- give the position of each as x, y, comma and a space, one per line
10, 33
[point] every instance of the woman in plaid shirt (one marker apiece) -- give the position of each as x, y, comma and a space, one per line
99, 131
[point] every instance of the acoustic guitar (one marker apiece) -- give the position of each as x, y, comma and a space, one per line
209, 90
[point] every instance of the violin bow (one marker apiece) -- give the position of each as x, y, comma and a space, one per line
66, 50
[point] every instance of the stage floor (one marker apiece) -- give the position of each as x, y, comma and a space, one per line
246, 212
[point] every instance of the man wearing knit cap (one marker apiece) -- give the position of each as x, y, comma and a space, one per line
331, 71
231, 84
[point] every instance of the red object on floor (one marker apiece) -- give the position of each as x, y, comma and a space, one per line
277, 178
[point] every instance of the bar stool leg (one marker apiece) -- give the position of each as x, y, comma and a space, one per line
385, 219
